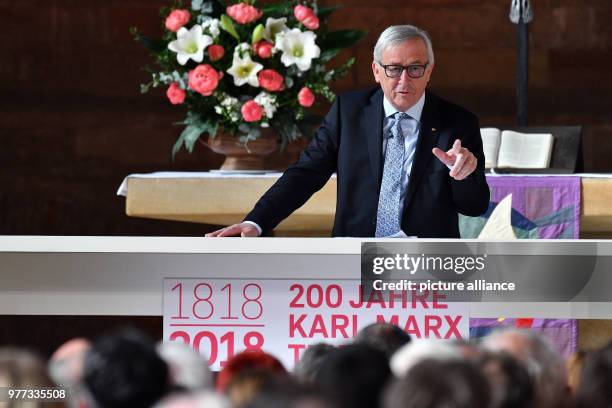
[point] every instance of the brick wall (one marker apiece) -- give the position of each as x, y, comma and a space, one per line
73, 123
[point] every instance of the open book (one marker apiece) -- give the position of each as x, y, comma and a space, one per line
517, 150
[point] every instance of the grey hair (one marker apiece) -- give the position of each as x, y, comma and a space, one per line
396, 35
540, 359
414, 352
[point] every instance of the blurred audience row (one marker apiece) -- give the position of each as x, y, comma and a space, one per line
381, 368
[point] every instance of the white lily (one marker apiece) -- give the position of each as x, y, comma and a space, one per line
273, 27
190, 44
211, 25
244, 70
298, 48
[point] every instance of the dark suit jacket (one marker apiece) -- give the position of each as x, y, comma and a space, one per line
349, 142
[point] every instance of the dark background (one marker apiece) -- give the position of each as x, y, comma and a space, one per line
73, 122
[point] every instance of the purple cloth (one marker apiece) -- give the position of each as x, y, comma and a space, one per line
542, 207
552, 204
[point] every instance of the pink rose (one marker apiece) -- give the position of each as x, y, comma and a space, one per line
251, 111
311, 22
204, 79
177, 19
306, 16
263, 49
305, 97
270, 80
215, 52
243, 13
175, 94
301, 12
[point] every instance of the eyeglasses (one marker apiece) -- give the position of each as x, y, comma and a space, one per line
414, 71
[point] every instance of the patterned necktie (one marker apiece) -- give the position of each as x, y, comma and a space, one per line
388, 215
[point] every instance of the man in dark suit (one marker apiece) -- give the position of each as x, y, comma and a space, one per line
381, 142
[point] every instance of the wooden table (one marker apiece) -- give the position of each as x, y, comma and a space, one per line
221, 200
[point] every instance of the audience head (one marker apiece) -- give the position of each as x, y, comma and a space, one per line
20, 369
200, 399
66, 363
66, 369
187, 368
307, 367
439, 384
539, 358
595, 388
248, 360
510, 383
469, 349
246, 384
285, 393
354, 375
123, 370
413, 353
386, 337
510, 368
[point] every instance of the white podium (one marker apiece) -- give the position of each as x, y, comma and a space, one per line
124, 275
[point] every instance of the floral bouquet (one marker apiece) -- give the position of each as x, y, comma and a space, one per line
238, 68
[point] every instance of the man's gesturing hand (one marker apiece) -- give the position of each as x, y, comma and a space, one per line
244, 229
459, 159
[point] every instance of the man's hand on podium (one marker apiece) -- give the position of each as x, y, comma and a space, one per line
244, 229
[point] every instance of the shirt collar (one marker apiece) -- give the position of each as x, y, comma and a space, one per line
415, 110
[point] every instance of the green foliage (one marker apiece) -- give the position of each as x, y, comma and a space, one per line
257, 33
325, 12
281, 9
195, 127
228, 26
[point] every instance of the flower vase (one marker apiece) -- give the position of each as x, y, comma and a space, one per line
240, 157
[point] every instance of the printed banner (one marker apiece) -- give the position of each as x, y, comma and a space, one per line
222, 317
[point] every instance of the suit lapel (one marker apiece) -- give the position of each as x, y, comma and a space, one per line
428, 137
373, 124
